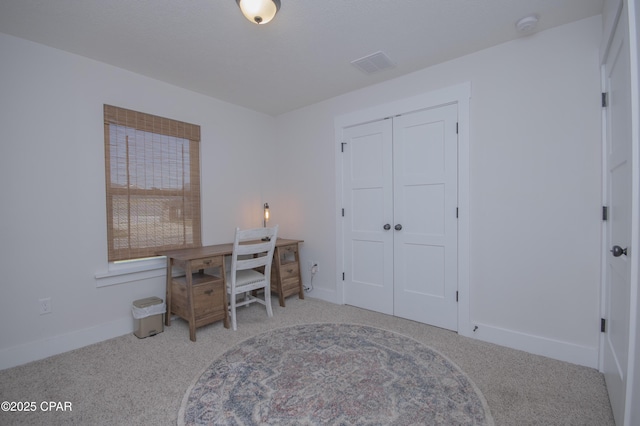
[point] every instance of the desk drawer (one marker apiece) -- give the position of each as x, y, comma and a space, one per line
288, 253
286, 279
207, 262
290, 286
290, 270
208, 300
208, 296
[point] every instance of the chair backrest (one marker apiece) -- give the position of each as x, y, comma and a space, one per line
253, 248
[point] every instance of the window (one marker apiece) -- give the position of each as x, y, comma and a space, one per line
152, 169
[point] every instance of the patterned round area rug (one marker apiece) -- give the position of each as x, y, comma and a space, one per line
333, 374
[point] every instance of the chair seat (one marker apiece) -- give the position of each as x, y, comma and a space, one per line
246, 277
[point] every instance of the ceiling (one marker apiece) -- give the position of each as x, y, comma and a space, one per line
301, 57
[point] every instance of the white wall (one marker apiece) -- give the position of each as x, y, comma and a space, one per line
53, 227
535, 188
534, 193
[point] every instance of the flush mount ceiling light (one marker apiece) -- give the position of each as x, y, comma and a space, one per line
527, 24
259, 11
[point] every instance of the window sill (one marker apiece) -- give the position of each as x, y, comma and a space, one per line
121, 273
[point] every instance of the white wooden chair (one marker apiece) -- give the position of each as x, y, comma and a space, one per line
252, 248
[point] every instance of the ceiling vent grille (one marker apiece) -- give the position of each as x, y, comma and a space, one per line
373, 63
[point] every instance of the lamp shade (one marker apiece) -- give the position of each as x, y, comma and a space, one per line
259, 11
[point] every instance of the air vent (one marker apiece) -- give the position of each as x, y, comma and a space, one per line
373, 63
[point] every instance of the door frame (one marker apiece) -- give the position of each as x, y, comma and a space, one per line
459, 94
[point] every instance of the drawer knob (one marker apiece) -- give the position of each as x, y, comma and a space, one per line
289, 270
208, 292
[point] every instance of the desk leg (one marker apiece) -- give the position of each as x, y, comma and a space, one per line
192, 315
300, 287
167, 315
225, 300
278, 273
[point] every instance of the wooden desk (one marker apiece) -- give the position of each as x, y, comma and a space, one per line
200, 297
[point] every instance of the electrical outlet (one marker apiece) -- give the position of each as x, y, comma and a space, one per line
45, 305
314, 266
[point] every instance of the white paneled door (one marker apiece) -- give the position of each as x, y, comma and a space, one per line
368, 201
400, 219
425, 192
617, 286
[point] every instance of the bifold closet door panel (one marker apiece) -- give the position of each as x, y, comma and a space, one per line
425, 153
368, 206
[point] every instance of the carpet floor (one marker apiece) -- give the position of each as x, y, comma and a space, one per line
131, 381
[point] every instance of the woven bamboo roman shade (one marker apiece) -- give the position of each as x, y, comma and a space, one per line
153, 183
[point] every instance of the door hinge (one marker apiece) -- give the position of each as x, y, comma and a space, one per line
456, 212
605, 99
343, 276
457, 128
342, 212
342, 144
603, 325
605, 213
456, 296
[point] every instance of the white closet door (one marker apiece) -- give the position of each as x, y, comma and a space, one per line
368, 206
425, 192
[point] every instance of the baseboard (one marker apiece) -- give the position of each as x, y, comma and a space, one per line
40, 349
538, 345
324, 294
556, 349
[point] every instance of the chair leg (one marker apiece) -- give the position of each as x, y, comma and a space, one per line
232, 304
267, 300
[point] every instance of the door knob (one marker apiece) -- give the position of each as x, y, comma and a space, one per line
398, 227
387, 227
618, 251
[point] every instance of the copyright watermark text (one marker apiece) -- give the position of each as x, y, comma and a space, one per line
25, 406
